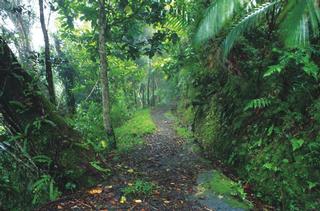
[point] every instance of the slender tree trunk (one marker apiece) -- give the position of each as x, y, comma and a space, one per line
49, 76
148, 89
135, 97
104, 76
142, 91
153, 90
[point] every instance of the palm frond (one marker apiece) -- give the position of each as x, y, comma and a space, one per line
177, 24
294, 26
314, 16
245, 24
215, 18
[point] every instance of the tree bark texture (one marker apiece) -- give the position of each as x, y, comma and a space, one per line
104, 76
49, 76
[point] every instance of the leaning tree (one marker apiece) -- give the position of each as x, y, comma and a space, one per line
31, 117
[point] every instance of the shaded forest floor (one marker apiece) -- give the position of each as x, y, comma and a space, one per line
162, 174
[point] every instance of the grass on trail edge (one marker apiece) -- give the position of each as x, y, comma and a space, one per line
181, 131
130, 134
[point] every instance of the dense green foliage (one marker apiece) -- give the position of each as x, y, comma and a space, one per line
243, 76
258, 113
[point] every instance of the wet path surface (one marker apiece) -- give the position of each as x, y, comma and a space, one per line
166, 160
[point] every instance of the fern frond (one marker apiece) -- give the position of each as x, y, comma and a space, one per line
246, 23
216, 17
258, 103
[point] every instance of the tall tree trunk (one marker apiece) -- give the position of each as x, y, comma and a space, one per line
142, 91
153, 99
27, 112
49, 76
67, 76
148, 89
135, 97
104, 76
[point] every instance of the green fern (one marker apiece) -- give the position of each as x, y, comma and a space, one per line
44, 185
258, 103
274, 69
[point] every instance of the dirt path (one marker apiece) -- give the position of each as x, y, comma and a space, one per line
166, 160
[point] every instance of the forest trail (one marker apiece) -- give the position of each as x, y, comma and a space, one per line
169, 162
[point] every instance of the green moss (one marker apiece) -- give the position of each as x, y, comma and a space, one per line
207, 129
130, 134
228, 190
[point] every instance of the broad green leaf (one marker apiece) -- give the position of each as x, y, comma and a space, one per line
296, 143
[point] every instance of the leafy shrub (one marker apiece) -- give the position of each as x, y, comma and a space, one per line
89, 122
23, 186
139, 188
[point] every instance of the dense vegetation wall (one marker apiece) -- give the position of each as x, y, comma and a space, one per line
261, 116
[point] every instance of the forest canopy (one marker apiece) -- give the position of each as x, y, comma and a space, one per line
86, 86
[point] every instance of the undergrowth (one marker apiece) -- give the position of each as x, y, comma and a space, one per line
139, 188
130, 134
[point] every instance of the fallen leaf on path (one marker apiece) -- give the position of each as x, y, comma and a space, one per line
95, 191
123, 200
